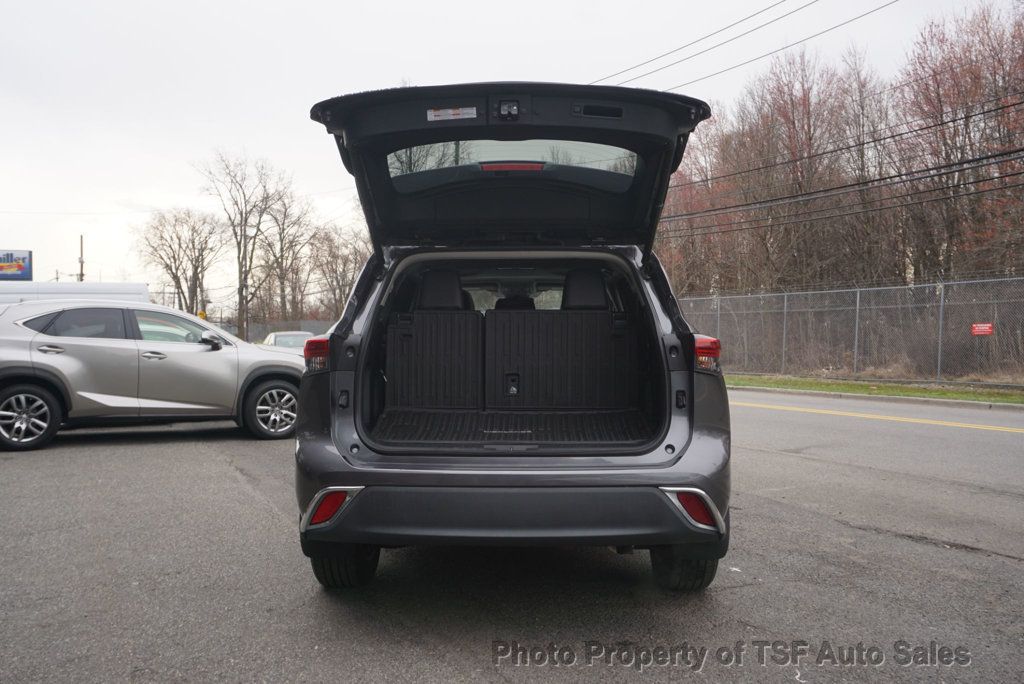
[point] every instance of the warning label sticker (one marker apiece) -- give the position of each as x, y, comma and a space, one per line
451, 113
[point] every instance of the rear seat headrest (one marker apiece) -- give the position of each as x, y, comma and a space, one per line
517, 301
440, 289
584, 289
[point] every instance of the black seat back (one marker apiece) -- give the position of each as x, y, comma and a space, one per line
582, 357
434, 354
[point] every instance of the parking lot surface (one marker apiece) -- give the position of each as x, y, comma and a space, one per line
168, 553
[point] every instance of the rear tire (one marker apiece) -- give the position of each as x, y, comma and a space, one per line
675, 572
351, 565
29, 417
267, 405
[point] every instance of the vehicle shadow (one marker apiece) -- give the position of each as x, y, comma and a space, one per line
165, 433
515, 593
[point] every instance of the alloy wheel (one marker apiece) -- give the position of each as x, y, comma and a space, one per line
275, 410
23, 418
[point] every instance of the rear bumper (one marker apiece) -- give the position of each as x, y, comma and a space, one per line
508, 516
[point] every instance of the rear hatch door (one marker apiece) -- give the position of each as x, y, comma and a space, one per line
511, 163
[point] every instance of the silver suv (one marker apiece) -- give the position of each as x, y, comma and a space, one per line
90, 362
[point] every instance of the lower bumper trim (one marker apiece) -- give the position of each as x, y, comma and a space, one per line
599, 516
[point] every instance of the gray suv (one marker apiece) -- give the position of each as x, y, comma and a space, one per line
512, 367
90, 362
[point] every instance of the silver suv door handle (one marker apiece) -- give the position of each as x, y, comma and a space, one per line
153, 355
51, 349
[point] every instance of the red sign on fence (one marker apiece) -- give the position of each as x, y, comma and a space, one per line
982, 329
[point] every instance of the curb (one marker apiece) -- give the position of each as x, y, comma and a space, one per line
953, 403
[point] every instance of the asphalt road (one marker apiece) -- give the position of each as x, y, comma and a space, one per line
172, 553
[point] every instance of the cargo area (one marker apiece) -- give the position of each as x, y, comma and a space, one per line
503, 352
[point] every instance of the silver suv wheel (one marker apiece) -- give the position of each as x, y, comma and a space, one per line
24, 418
275, 410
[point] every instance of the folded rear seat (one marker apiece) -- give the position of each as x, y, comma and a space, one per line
580, 357
434, 353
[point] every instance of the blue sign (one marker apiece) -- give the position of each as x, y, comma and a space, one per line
15, 264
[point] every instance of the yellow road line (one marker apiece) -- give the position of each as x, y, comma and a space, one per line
877, 416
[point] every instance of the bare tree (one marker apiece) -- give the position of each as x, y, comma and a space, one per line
285, 245
822, 175
247, 191
337, 257
427, 157
184, 244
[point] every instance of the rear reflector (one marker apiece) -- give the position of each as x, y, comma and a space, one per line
696, 508
707, 350
329, 505
316, 351
512, 166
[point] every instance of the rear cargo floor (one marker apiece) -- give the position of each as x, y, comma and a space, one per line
548, 427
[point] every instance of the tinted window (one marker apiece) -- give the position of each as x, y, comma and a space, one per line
39, 323
548, 298
160, 327
483, 299
561, 152
107, 323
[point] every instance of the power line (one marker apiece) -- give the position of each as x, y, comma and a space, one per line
716, 45
858, 138
879, 160
746, 190
892, 136
692, 42
784, 47
992, 158
856, 213
878, 199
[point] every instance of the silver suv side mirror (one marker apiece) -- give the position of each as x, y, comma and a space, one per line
212, 339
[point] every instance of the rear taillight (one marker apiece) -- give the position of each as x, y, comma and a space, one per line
707, 350
316, 352
330, 504
696, 508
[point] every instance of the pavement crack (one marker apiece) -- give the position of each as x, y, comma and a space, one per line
919, 538
252, 482
981, 488
924, 539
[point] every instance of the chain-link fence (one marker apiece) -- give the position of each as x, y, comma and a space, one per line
970, 331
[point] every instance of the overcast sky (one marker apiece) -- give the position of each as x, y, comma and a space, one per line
106, 108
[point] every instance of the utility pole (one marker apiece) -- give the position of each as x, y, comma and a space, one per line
81, 258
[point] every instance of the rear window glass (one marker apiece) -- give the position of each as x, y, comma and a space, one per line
544, 297
106, 323
550, 298
562, 152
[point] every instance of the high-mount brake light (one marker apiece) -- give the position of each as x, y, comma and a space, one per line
512, 166
316, 351
707, 350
